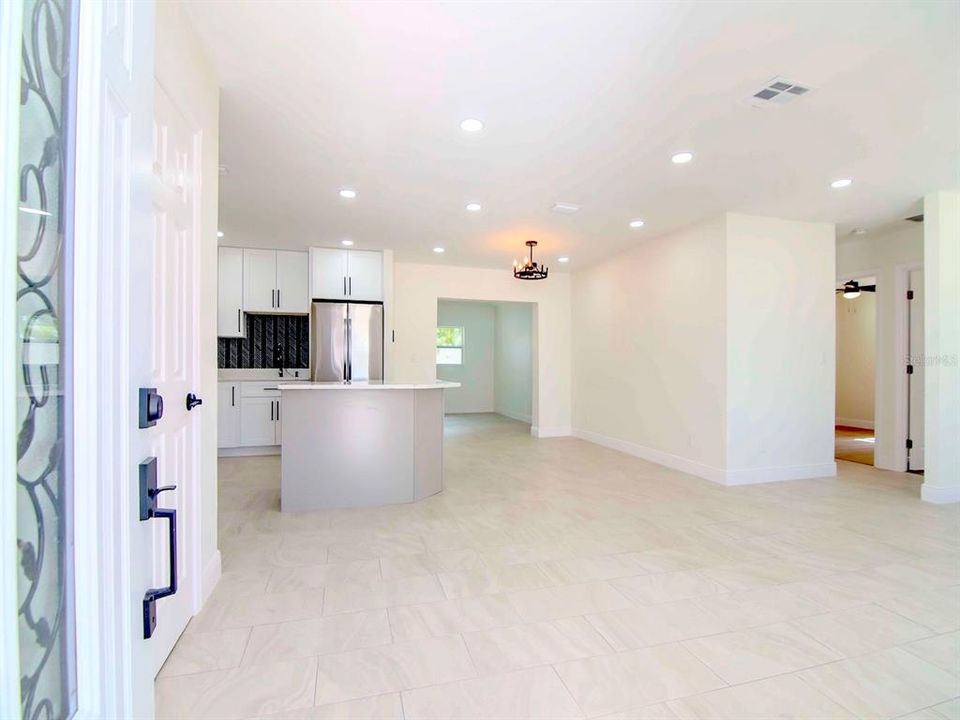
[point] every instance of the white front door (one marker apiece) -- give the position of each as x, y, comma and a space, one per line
174, 363
915, 379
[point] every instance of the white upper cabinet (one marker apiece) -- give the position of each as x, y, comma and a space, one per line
259, 280
275, 281
365, 277
230, 292
328, 274
346, 274
293, 279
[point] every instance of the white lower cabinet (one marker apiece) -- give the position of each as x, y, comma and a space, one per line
249, 415
258, 424
228, 415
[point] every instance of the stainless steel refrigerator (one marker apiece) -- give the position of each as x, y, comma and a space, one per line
347, 341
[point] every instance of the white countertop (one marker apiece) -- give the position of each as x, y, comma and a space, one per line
363, 385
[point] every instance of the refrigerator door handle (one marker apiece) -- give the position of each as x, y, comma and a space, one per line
349, 349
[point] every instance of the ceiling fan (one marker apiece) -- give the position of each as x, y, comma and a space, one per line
852, 289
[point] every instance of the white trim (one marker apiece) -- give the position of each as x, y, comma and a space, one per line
855, 423
756, 476
11, 27
549, 432
707, 472
939, 495
901, 282
211, 575
748, 476
248, 451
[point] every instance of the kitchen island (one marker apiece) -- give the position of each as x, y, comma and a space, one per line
360, 444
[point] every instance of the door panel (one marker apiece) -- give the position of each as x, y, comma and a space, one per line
916, 378
366, 342
259, 280
365, 279
293, 279
175, 359
230, 292
328, 274
328, 335
257, 421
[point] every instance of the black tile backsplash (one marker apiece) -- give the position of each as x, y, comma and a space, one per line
264, 332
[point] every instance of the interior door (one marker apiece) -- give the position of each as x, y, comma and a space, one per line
915, 379
175, 361
293, 278
259, 280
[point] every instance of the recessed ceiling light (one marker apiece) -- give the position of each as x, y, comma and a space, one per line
473, 207
638, 223
347, 243
563, 259
219, 233
471, 125
681, 157
348, 194
438, 250
841, 183
565, 208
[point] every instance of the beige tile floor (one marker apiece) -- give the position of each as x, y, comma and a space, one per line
558, 579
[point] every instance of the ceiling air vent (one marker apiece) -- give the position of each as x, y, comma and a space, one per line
778, 91
915, 218
565, 208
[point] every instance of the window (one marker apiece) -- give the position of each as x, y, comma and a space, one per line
449, 346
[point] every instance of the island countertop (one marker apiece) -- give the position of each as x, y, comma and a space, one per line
366, 385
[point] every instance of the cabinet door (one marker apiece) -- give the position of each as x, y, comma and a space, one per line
328, 274
365, 280
228, 415
259, 280
258, 421
230, 292
293, 276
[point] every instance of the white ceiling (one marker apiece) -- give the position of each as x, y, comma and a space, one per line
583, 103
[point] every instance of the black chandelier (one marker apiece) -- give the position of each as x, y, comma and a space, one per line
529, 270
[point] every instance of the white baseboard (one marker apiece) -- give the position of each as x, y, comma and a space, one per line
854, 423
249, 451
516, 416
548, 432
753, 476
939, 494
707, 472
211, 575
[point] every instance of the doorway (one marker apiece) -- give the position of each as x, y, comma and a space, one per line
487, 347
856, 307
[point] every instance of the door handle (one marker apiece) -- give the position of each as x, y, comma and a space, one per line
233, 396
278, 298
273, 298
193, 401
239, 329
278, 411
271, 411
153, 594
350, 286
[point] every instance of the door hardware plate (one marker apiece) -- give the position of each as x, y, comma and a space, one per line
151, 407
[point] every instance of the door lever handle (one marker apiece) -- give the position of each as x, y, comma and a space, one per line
193, 401
153, 492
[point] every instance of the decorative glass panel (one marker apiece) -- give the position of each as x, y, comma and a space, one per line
44, 532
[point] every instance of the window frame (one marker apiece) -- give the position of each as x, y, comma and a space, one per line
460, 347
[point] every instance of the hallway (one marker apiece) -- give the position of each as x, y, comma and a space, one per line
559, 579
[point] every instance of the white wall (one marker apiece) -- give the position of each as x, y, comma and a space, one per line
941, 286
856, 348
417, 288
698, 350
513, 360
780, 336
476, 374
185, 72
886, 253
648, 350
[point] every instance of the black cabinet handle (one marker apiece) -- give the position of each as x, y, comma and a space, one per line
239, 329
350, 286
271, 411
278, 411
233, 396
278, 298
153, 594
344, 284
273, 298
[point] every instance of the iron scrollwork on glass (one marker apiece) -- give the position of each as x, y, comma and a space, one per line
44, 540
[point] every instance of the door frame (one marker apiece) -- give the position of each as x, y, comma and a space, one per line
11, 28
901, 278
